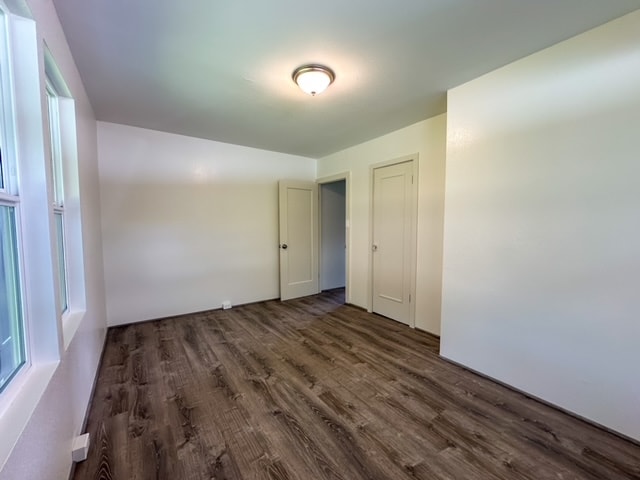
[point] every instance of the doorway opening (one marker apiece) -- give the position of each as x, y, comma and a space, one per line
334, 235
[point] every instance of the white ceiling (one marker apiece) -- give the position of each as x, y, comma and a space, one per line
221, 69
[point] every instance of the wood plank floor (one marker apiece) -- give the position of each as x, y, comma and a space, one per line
313, 389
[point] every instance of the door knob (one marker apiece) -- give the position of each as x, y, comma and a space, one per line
284, 246
374, 247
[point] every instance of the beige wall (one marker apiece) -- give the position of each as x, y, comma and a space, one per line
427, 139
542, 228
188, 223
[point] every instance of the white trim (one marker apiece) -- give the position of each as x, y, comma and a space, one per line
9, 199
71, 320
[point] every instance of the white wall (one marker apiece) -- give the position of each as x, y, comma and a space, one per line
427, 138
542, 227
188, 223
43, 451
332, 232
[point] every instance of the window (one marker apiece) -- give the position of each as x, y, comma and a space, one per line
64, 195
12, 346
13, 354
31, 327
58, 195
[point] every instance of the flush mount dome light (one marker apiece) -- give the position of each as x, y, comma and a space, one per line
313, 79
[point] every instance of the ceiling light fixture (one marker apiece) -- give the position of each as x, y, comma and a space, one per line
313, 79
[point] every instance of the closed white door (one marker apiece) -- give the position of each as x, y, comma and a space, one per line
298, 239
393, 240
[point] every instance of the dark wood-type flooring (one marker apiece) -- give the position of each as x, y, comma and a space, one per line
313, 389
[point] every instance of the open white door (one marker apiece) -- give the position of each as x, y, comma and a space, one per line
298, 239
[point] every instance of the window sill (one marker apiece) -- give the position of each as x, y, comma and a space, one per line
70, 323
20, 405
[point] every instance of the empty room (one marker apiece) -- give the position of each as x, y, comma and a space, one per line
319, 240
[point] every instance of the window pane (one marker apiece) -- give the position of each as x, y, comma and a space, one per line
2, 124
12, 349
56, 152
1, 171
62, 271
1, 148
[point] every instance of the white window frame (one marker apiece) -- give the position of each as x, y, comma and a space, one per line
9, 195
65, 197
57, 181
22, 91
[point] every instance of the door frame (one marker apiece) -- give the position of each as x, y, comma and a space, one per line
346, 176
414, 159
